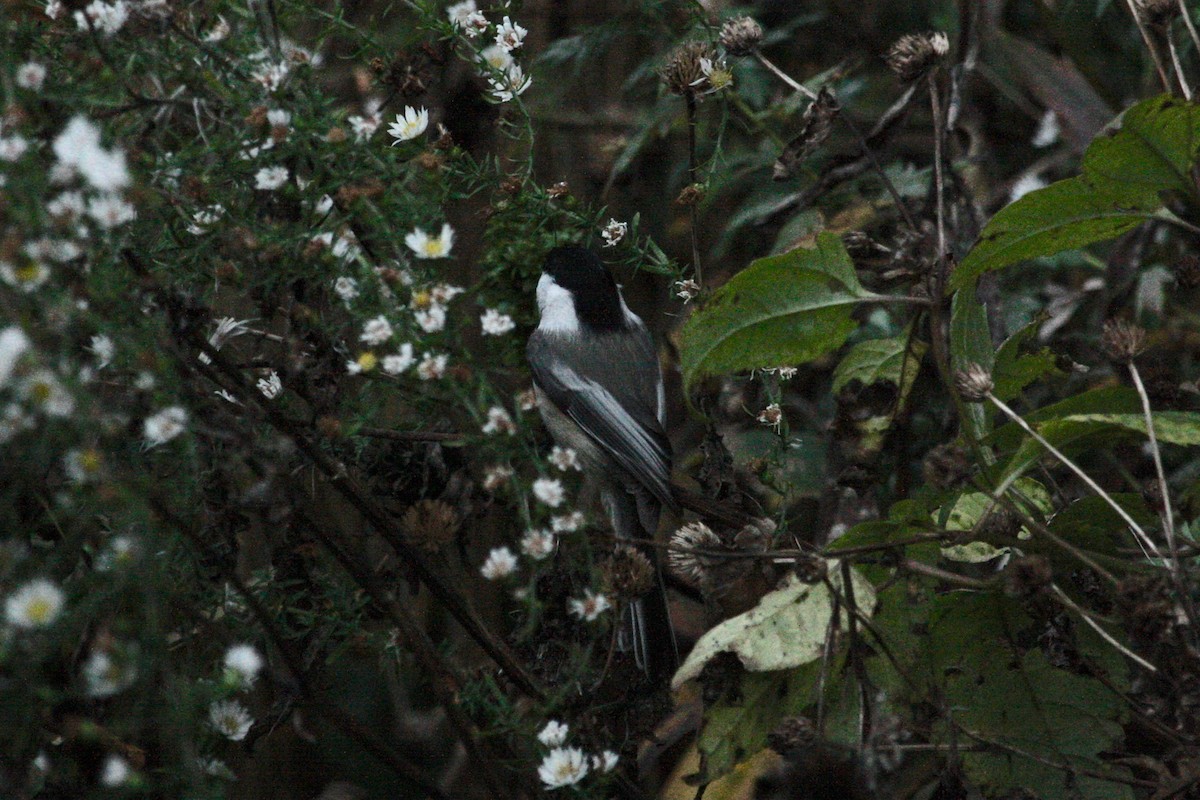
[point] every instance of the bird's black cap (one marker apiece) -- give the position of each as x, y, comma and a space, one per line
584, 275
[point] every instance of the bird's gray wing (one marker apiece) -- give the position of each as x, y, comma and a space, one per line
609, 387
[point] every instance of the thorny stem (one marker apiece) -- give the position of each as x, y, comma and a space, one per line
1147, 543
1105, 635
693, 176
1183, 82
1155, 56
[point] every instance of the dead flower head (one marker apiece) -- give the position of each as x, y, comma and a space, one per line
430, 524
1122, 341
974, 383
740, 35
628, 574
683, 70
914, 54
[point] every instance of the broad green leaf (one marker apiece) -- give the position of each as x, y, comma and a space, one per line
881, 360
1109, 400
786, 629
1125, 173
1092, 524
971, 507
1173, 427
1015, 369
1009, 697
971, 342
784, 309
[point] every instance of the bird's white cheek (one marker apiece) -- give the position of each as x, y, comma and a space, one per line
557, 307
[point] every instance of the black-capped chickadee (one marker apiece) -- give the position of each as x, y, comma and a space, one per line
600, 393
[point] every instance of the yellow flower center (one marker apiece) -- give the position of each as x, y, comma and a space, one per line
367, 361
28, 273
422, 299
39, 611
40, 392
433, 248
89, 460
720, 78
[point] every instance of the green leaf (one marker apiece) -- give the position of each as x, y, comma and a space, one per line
1172, 427
971, 507
1124, 175
784, 309
1010, 698
881, 360
786, 629
1015, 369
1092, 524
971, 342
1109, 400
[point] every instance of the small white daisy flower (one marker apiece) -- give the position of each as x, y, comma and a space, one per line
686, 290
13, 147
458, 12
398, 362
82, 466
270, 386
431, 319
498, 421
425, 246
614, 232
376, 331
537, 544
605, 762
346, 288
563, 766
495, 323
771, 416
589, 607
510, 35
120, 551
231, 719
104, 676
33, 275
43, 391
501, 562
270, 178
164, 426
496, 476
35, 605
549, 491
31, 75
114, 772
513, 83
245, 662
554, 734
110, 210
568, 523
409, 125
496, 57
432, 367
13, 344
564, 458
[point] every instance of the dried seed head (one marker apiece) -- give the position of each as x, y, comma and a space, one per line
683, 560
1147, 605
691, 195
1122, 341
1158, 12
430, 524
793, 733
914, 54
683, 67
1028, 577
946, 466
628, 574
740, 35
1187, 272
560, 189
974, 383
1000, 521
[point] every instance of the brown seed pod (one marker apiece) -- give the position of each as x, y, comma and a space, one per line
740, 35
915, 54
628, 574
974, 383
683, 67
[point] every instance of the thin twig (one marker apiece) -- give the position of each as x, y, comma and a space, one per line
411, 436
1105, 635
1128, 780
1191, 26
1168, 516
694, 177
1155, 56
783, 76
931, 571
1183, 81
1142, 537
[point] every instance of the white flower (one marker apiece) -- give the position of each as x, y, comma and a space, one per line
510, 35
591, 606
376, 331
605, 762
78, 138
514, 82
426, 246
500, 563
105, 170
496, 476
771, 416
114, 772
103, 349
164, 426
13, 344
496, 57
549, 491
215, 768
105, 676
245, 662
614, 232
787, 373
120, 550
398, 362
270, 75
432, 367
1048, 130
527, 400
279, 118
686, 290
35, 605
409, 125
431, 319
554, 734
459, 12
364, 127
365, 362
43, 391
346, 288
13, 147
110, 210
108, 18
496, 324
443, 293
715, 74
219, 31
563, 766
564, 458
205, 217
498, 421
231, 719
67, 204
475, 24
82, 466
227, 397
270, 178
55, 9
270, 386
26, 278
31, 75
537, 544
568, 523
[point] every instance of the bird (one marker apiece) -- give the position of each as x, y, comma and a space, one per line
600, 392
